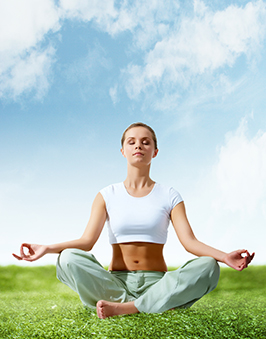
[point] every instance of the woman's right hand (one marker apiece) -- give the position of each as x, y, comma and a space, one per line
35, 252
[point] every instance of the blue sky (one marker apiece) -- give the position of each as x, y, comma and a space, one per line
74, 74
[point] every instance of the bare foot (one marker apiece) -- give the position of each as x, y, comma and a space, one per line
107, 309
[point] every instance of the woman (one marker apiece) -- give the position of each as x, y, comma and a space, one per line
137, 212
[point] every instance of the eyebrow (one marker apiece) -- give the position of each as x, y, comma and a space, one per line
128, 138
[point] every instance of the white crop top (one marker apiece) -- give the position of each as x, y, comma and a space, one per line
144, 219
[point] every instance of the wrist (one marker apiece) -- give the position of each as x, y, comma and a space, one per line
50, 249
223, 257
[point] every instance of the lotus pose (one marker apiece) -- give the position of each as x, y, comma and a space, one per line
137, 213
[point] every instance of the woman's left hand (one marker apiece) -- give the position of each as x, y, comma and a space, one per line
239, 259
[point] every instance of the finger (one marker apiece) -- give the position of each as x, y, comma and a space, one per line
240, 252
28, 246
251, 257
30, 258
243, 265
31, 252
22, 253
16, 256
247, 252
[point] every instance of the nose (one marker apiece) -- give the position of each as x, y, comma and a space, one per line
137, 147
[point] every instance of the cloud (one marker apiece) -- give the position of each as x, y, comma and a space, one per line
198, 45
102, 12
27, 73
240, 174
23, 23
113, 94
146, 20
177, 46
27, 28
25, 61
227, 203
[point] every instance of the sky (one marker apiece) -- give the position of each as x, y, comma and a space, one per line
74, 74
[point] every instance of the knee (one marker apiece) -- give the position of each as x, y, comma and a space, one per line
209, 262
67, 256
211, 271
72, 257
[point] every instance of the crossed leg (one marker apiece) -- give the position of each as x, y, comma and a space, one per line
181, 288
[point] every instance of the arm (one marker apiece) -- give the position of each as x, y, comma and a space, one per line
194, 246
85, 242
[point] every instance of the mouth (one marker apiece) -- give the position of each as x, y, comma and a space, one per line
137, 153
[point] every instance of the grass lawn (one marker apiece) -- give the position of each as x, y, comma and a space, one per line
33, 304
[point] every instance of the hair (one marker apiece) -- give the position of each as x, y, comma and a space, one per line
139, 124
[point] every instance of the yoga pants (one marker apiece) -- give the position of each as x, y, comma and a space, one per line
151, 291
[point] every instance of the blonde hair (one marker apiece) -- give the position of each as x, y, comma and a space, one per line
140, 124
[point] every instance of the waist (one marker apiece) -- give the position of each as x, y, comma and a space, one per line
138, 256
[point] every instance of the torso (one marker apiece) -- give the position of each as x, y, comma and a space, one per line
135, 256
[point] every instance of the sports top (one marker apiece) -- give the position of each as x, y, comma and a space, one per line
139, 219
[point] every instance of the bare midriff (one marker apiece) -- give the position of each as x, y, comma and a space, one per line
136, 256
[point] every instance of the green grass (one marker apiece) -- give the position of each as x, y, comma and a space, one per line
33, 304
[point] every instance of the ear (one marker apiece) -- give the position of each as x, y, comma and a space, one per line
122, 151
155, 153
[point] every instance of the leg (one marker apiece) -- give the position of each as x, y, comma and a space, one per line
137, 282
84, 274
181, 288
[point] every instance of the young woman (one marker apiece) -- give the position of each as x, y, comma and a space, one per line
137, 212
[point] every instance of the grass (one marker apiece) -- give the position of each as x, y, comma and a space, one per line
33, 304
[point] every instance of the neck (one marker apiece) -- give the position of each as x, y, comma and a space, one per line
138, 177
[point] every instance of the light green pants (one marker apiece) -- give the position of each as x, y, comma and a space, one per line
151, 291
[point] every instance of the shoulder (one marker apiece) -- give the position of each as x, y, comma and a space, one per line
111, 189
171, 193
166, 189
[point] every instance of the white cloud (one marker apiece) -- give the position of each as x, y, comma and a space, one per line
23, 23
24, 62
180, 46
197, 45
244, 28
100, 11
27, 73
149, 21
113, 94
146, 20
226, 206
240, 174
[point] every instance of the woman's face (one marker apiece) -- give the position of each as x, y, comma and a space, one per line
139, 146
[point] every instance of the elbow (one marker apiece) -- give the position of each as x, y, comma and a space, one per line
86, 244
188, 249
87, 248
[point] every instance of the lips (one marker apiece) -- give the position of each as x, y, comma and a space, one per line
138, 153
